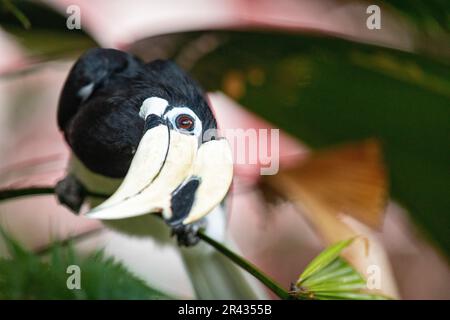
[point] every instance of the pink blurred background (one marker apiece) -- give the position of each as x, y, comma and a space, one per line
277, 239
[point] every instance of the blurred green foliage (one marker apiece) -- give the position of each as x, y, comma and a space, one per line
26, 275
429, 14
41, 30
327, 91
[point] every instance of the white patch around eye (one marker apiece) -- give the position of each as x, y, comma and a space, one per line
172, 115
153, 105
86, 91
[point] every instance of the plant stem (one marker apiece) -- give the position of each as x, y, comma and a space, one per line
7, 194
240, 261
249, 267
15, 193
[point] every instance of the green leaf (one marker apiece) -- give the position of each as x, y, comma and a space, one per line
329, 276
337, 275
9, 6
349, 296
431, 14
26, 276
46, 36
324, 259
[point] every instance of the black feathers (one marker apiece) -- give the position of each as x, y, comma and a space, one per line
100, 102
97, 67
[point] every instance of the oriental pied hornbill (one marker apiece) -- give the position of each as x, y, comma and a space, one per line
146, 134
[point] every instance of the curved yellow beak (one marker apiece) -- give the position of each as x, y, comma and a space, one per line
171, 175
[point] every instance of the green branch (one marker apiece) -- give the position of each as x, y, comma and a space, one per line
247, 266
7, 194
240, 261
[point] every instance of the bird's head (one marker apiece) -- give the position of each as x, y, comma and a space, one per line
179, 168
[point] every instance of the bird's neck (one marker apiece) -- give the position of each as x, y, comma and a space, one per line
92, 181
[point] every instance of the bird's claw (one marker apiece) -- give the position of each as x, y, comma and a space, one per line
187, 234
71, 193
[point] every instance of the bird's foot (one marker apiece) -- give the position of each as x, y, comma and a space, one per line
187, 235
71, 193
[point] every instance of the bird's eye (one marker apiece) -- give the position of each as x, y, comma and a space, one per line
185, 122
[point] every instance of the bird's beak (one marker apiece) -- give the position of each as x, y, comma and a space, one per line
171, 175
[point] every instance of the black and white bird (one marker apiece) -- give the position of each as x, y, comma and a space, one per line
146, 134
